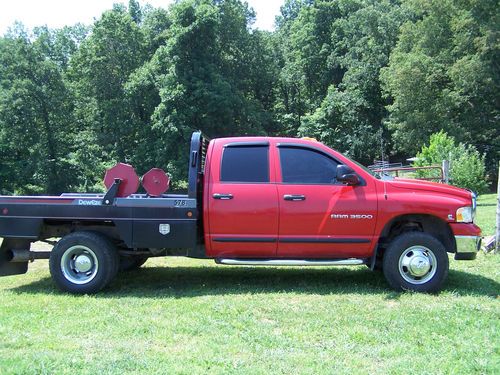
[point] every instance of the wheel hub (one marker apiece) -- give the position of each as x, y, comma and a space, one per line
79, 264
83, 263
417, 264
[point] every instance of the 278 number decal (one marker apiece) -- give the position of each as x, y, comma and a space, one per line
180, 203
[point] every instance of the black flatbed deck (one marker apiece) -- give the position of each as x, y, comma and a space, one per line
137, 221
137, 218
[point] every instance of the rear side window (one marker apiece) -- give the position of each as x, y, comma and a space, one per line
304, 166
245, 164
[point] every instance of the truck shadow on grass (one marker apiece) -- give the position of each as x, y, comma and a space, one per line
180, 282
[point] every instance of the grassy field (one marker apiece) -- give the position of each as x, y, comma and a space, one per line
485, 216
193, 317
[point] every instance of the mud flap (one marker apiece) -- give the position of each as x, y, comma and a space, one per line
6, 267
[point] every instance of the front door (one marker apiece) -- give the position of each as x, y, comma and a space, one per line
243, 203
319, 217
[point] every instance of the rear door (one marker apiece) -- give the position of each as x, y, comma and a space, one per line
242, 201
320, 217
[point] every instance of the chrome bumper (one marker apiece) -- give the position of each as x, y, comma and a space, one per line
468, 244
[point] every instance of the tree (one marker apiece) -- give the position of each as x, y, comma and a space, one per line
156, 22
202, 75
351, 73
107, 120
444, 74
35, 119
332, 62
304, 37
59, 45
135, 11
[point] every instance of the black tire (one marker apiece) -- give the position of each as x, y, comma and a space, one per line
416, 261
76, 252
131, 262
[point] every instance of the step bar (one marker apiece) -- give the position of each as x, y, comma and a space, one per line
291, 262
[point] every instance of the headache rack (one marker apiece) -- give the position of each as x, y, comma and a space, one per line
197, 157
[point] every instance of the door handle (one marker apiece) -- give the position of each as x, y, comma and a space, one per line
222, 196
292, 197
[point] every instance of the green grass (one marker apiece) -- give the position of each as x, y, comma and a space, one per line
192, 317
485, 216
187, 316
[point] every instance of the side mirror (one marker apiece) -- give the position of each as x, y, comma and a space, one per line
347, 175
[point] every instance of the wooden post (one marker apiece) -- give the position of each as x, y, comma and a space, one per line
497, 232
446, 171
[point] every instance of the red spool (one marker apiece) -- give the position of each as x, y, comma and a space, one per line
125, 172
156, 182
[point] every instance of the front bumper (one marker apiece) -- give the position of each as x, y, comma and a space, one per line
467, 247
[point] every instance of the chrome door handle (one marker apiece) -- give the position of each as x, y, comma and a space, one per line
292, 197
222, 196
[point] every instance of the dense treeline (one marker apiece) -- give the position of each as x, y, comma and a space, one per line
364, 76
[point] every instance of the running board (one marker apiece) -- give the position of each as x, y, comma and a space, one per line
291, 262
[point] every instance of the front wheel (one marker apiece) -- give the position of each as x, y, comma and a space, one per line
416, 261
83, 262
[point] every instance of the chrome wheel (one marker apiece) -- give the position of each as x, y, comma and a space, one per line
417, 264
79, 264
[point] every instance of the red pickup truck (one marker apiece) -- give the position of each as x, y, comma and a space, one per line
250, 201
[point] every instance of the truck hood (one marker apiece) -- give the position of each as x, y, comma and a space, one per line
431, 187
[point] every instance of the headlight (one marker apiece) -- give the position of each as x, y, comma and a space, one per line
465, 215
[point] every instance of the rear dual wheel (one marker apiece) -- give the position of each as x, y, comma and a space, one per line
83, 262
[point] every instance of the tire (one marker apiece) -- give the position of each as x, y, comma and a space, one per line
132, 262
83, 262
416, 261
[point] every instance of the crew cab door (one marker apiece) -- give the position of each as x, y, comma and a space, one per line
320, 217
242, 201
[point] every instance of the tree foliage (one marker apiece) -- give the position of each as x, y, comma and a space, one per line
352, 109
366, 77
444, 75
35, 119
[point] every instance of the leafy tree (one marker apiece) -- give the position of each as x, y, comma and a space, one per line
156, 22
263, 79
135, 11
59, 45
332, 66
202, 75
444, 74
304, 39
98, 72
35, 119
289, 11
352, 73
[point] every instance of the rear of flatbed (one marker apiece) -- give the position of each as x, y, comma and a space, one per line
137, 226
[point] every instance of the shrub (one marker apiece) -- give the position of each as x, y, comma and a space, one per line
467, 168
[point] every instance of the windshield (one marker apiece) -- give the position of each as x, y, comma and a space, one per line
367, 170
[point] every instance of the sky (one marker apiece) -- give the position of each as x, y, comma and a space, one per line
58, 13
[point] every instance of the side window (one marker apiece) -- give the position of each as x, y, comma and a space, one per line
245, 164
304, 166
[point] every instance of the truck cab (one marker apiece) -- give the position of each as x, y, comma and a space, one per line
281, 197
